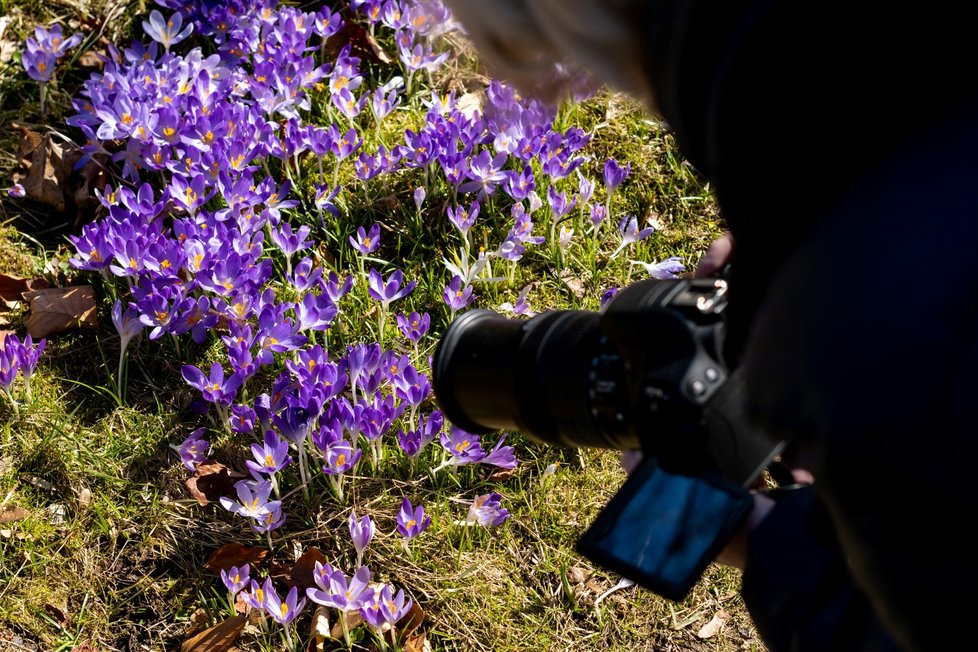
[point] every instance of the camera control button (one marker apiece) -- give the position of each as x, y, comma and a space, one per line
697, 387
712, 375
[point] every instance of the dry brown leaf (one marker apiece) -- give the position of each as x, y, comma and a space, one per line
7, 47
56, 612
233, 554
713, 627
410, 621
11, 514
219, 638
198, 620
302, 571
361, 43
28, 143
87, 646
573, 283
212, 480
353, 620
90, 59
417, 643
4, 334
503, 474
240, 606
58, 309
319, 629
12, 287
578, 575
47, 176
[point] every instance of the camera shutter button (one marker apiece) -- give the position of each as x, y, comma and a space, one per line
712, 375
697, 387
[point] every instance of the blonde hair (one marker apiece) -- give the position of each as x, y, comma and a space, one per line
523, 41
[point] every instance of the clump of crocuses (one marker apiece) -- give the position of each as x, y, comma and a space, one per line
41, 54
18, 358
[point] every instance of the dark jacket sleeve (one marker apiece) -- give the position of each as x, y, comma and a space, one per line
798, 588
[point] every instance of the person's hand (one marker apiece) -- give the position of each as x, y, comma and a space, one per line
716, 256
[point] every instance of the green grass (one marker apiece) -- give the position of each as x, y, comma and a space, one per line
112, 548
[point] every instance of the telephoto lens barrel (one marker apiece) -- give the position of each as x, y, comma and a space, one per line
553, 377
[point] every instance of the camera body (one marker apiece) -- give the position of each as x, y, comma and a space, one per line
646, 373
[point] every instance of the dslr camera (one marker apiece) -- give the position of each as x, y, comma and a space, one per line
646, 373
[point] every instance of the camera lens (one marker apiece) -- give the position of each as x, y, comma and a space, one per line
554, 377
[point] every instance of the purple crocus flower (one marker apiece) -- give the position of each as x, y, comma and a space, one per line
194, 315
341, 592
315, 312
367, 242
487, 511
255, 595
271, 457
17, 191
669, 268
321, 574
361, 532
456, 296
294, 422
290, 241
28, 355
384, 100
236, 578
166, 31
383, 608
39, 64
520, 184
464, 218
282, 611
598, 213
53, 41
324, 198
389, 290
414, 326
194, 449
630, 233
585, 188
252, 499
411, 386
430, 427
486, 172
335, 289
411, 521
464, 447
343, 146
9, 366
305, 276
242, 419
419, 197
215, 388
410, 442
559, 204
521, 307
614, 174
340, 457
608, 295
44, 49
501, 456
